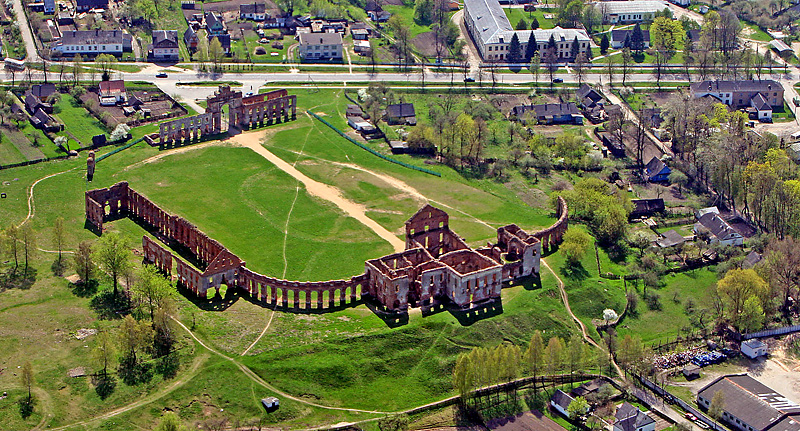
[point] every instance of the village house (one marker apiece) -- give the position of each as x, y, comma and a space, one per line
165, 45
359, 31
401, 113
656, 171
629, 12
112, 92
320, 46
719, 230
753, 348
619, 37
214, 24
492, 32
630, 418
49, 7
253, 11
224, 41
93, 42
758, 97
548, 113
379, 15
87, 5
190, 39
646, 207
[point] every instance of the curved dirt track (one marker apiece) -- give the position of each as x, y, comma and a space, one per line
320, 190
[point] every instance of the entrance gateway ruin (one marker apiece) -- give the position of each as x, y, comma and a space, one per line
436, 268
243, 112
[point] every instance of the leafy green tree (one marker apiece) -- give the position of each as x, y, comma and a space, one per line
639, 241
737, 287
577, 408
215, 52
104, 351
170, 422
150, 289
752, 318
679, 178
28, 238
554, 356
534, 355
717, 407
536, 65
26, 377
575, 244
84, 265
59, 235
113, 255
575, 354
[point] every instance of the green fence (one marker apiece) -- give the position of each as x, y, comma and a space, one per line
124, 147
387, 158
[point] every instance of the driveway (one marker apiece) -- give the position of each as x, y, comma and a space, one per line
25, 31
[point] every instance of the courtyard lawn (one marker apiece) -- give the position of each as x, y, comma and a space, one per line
77, 120
514, 14
9, 153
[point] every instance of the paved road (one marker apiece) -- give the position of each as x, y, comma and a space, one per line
25, 30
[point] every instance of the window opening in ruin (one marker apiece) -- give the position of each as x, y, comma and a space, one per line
441, 224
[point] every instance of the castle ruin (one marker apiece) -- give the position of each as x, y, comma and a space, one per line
436, 268
243, 112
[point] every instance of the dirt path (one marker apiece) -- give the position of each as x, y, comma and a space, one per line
320, 190
260, 335
581, 326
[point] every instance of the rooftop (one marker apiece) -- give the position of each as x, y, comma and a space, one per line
320, 39
747, 85
633, 6
755, 403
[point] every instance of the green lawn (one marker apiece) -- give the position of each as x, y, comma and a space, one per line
753, 31
516, 14
9, 153
77, 120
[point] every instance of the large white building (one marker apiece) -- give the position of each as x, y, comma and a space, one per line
93, 42
492, 32
320, 46
623, 12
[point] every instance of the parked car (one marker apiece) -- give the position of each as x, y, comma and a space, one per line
161, 75
469, 79
557, 80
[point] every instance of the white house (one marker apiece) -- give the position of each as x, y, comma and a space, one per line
561, 401
761, 108
93, 42
112, 92
719, 230
253, 11
618, 37
630, 418
165, 45
359, 124
320, 46
754, 348
682, 3
492, 32
628, 12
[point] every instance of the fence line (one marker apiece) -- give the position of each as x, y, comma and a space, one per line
389, 159
772, 332
124, 147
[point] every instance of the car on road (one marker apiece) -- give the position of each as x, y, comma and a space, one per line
161, 75
469, 79
557, 80
690, 416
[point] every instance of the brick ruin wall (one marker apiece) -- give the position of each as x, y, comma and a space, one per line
249, 111
445, 269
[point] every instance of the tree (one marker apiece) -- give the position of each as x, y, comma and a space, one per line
170, 422
580, 67
535, 67
215, 52
575, 49
575, 244
11, 238
59, 235
104, 351
531, 48
604, 44
679, 178
113, 255
752, 318
610, 70
631, 352
554, 356
522, 24
104, 61
514, 55
150, 289
575, 354
577, 408
717, 406
28, 242
534, 355
627, 60
637, 39
402, 35
134, 338
26, 376
534, 23
609, 315
463, 377
287, 6
666, 36
164, 331
737, 287
640, 241
84, 265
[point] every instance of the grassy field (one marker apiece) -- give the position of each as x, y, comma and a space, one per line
346, 358
77, 120
515, 14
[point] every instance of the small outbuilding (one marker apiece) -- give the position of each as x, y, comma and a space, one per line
754, 348
691, 371
270, 403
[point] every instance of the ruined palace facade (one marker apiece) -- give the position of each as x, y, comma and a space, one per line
437, 267
243, 112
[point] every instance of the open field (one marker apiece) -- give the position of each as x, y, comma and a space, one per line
516, 14
347, 358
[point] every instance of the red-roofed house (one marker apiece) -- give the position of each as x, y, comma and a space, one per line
112, 92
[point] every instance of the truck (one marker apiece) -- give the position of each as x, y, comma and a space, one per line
13, 63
